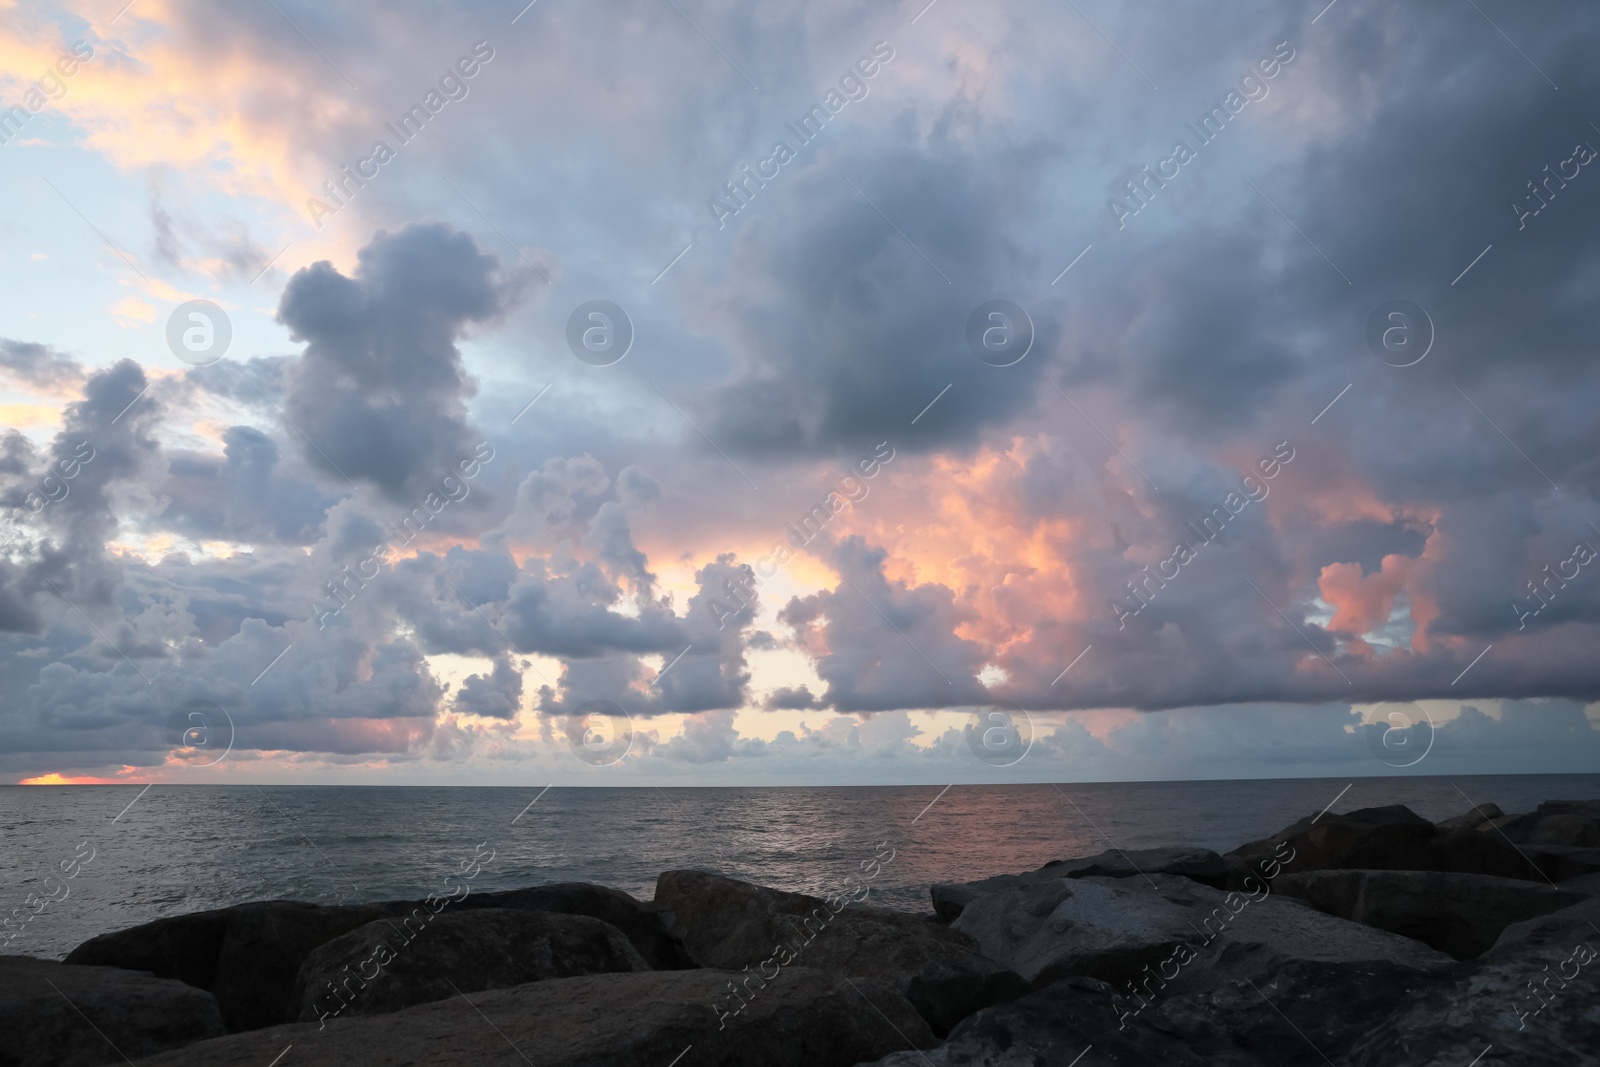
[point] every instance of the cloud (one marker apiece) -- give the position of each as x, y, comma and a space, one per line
380, 392
1020, 547
497, 695
38, 367
881, 644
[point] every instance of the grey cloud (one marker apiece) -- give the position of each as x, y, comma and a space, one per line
881, 645
245, 496
497, 695
37, 365
380, 392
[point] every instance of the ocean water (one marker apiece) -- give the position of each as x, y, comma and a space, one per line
100, 858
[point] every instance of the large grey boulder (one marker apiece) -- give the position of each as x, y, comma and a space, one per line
1125, 930
1459, 914
392, 964
644, 1019
1200, 864
53, 1015
726, 923
1531, 998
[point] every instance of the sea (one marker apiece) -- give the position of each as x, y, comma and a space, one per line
77, 861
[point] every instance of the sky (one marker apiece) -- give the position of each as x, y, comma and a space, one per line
625, 393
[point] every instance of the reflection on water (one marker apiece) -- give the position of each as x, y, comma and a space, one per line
185, 848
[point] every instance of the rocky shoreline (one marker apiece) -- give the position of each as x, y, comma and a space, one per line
1372, 937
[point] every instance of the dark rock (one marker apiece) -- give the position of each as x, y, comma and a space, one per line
255, 952
1460, 914
637, 920
803, 1019
1473, 819
1395, 839
264, 948
726, 923
466, 952
1197, 864
1387, 838
1583, 883
1558, 863
1572, 823
947, 990
723, 922
1122, 930
49, 1013
249, 955
1230, 1022
184, 947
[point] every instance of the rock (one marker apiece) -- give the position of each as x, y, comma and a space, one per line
637, 920
1513, 999
469, 951
802, 1019
184, 947
254, 958
1122, 930
723, 922
136, 1014
1459, 914
726, 923
1473, 819
1200, 864
946, 991
1395, 839
249, 955
1573, 823
1558, 863
1197, 864
1583, 883
1230, 1022
1387, 838
264, 948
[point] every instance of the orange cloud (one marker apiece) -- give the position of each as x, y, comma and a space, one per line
56, 778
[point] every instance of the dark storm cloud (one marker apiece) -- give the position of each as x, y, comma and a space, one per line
380, 391
842, 332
